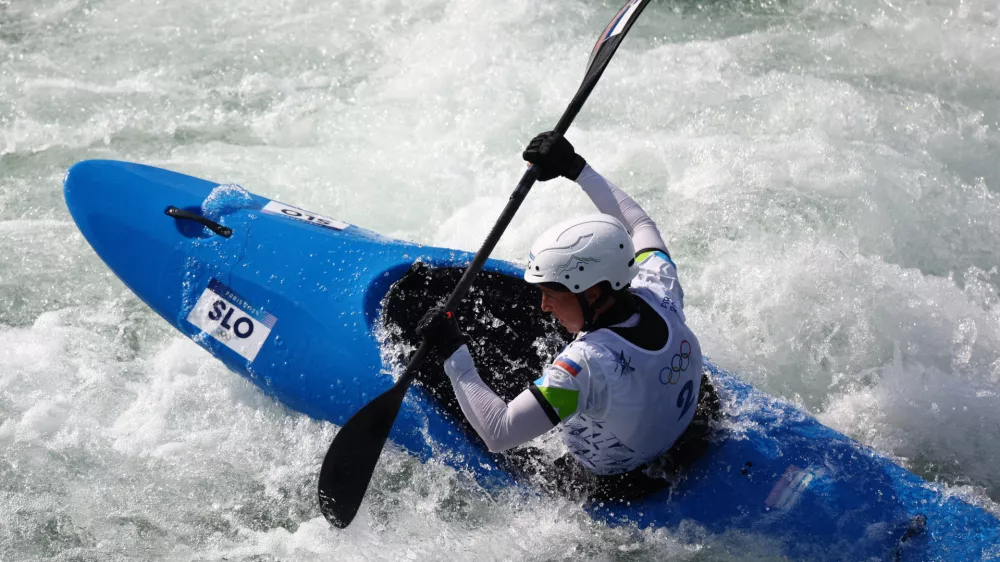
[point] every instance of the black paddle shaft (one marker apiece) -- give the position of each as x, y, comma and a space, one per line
350, 462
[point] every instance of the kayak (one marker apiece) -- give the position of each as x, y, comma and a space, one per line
316, 312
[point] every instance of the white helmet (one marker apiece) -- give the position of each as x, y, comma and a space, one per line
582, 252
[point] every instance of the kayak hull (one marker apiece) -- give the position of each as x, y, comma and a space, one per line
292, 301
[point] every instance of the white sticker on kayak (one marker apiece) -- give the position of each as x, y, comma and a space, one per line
275, 208
231, 320
789, 488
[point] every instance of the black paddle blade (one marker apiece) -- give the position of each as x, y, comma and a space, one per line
600, 56
351, 459
612, 36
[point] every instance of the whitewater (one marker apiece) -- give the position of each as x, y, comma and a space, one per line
826, 173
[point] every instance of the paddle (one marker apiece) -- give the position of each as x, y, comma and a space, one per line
350, 462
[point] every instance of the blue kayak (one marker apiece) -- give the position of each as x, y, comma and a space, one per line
303, 305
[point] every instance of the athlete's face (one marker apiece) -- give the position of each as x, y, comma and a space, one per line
564, 306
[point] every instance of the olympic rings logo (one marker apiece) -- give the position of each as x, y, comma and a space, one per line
678, 364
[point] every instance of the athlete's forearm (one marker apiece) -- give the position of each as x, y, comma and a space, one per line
613, 201
501, 425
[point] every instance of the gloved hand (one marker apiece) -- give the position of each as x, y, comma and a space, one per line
440, 329
554, 157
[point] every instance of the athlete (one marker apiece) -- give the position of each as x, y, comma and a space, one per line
626, 389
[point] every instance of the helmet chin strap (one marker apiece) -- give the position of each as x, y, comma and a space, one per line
620, 310
588, 310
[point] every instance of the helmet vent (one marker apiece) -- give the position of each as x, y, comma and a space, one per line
631, 262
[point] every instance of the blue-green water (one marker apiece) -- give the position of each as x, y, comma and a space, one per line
827, 174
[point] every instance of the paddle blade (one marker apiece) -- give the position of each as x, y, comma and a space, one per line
600, 56
612, 36
351, 459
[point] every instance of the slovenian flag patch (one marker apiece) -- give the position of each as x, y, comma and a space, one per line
568, 365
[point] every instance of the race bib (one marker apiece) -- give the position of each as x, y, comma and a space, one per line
231, 320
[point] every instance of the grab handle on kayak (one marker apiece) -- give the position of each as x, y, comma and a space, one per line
181, 214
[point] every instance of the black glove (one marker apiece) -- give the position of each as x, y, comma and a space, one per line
554, 156
441, 330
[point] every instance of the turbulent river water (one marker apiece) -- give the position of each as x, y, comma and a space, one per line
826, 172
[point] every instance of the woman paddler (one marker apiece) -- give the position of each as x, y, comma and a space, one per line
623, 394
